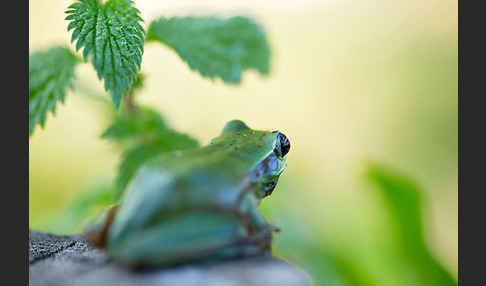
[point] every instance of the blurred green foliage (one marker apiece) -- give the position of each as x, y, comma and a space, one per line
403, 202
144, 134
216, 47
85, 207
399, 252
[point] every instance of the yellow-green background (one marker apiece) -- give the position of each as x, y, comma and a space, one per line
351, 81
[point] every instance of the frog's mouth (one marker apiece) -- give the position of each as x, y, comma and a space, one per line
282, 165
275, 167
265, 175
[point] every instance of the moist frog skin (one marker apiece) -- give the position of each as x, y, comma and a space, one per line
198, 204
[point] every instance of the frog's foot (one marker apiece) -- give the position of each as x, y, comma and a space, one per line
257, 244
259, 231
263, 238
96, 236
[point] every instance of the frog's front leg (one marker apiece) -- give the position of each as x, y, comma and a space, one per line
259, 231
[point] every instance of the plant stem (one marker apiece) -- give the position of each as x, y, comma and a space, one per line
130, 103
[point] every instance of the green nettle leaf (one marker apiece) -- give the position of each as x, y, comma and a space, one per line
51, 73
403, 201
112, 38
148, 136
216, 47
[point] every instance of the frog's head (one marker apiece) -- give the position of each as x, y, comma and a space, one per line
262, 153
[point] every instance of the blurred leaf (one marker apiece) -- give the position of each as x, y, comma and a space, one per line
95, 197
404, 204
303, 249
216, 47
112, 37
133, 159
146, 124
51, 73
149, 135
300, 241
349, 269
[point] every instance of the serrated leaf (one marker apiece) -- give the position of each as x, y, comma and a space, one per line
51, 73
113, 40
403, 200
215, 47
148, 135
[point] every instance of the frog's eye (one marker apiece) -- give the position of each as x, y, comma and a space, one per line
283, 145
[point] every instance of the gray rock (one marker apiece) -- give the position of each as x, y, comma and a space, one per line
69, 261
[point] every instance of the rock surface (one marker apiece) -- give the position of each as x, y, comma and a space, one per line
69, 261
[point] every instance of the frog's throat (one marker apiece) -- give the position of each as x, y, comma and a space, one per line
282, 165
262, 171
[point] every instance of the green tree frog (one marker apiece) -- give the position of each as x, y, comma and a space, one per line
198, 204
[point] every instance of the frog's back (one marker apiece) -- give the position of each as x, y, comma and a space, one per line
187, 205
198, 177
179, 181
